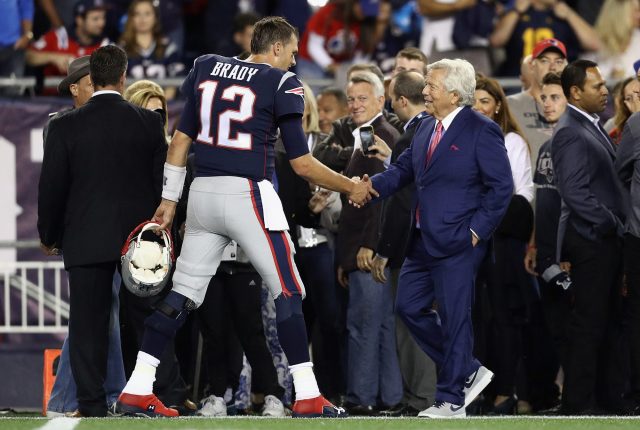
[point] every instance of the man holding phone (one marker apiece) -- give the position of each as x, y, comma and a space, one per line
370, 319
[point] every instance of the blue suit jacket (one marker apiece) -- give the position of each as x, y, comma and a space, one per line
467, 184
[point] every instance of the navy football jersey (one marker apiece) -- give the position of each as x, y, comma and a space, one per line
232, 112
146, 65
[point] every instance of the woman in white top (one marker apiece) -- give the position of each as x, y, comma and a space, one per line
492, 103
508, 288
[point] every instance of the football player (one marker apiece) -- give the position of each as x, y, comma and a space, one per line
233, 111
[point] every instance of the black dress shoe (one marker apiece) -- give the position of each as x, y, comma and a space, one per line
361, 410
506, 407
400, 410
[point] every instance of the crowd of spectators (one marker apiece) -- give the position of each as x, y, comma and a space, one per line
40, 37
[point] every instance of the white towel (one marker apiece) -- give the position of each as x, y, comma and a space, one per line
274, 218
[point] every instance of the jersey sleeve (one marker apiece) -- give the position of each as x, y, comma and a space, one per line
189, 122
289, 98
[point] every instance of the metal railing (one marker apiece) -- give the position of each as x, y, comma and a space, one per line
28, 304
29, 82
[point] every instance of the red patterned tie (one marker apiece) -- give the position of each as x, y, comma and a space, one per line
430, 151
435, 141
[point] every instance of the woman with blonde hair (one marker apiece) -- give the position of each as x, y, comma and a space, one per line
618, 28
149, 95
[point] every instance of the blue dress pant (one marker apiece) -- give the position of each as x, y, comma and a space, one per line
434, 299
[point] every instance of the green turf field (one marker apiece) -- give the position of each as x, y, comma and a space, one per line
535, 423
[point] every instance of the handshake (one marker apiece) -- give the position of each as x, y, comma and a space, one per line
362, 191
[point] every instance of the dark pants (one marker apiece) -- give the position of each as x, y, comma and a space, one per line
169, 385
446, 335
632, 270
595, 272
316, 266
231, 321
90, 306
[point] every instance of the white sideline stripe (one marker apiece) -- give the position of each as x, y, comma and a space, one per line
61, 423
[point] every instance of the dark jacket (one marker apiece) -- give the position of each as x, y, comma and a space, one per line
396, 212
583, 160
628, 167
359, 226
336, 149
101, 177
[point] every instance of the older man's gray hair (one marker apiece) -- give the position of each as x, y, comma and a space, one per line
460, 78
369, 78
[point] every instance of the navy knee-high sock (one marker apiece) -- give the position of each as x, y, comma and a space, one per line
292, 332
161, 326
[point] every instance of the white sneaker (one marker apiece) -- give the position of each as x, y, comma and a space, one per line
54, 414
444, 410
475, 383
273, 407
212, 406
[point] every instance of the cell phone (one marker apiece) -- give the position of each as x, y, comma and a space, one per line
366, 137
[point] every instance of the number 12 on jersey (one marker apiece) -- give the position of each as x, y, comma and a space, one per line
242, 141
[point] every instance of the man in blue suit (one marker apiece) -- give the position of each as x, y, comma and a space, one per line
459, 164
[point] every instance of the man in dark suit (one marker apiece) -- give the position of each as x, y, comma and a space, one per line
459, 164
628, 167
101, 176
590, 226
371, 346
418, 371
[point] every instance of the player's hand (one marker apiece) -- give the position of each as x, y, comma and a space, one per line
364, 258
343, 278
49, 250
530, 261
164, 214
565, 266
382, 150
362, 192
377, 269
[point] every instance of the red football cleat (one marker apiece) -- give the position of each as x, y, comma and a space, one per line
145, 406
318, 407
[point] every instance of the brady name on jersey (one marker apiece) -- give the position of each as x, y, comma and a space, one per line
232, 114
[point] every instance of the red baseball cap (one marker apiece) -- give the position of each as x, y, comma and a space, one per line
546, 44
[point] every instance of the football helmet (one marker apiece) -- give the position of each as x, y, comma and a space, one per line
146, 265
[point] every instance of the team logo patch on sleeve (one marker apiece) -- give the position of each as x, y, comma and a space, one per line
298, 91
